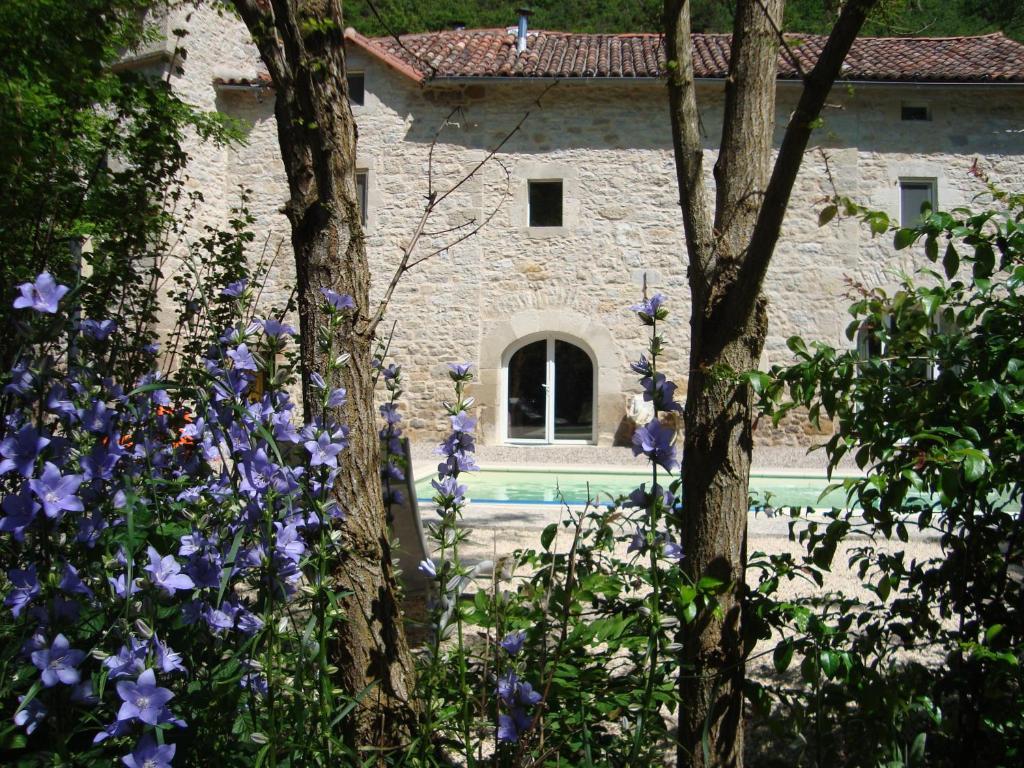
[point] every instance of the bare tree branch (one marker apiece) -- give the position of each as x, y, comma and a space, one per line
434, 200
487, 220
498, 147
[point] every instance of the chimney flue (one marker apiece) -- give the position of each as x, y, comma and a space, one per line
524, 14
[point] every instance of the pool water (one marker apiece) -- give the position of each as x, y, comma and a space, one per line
514, 486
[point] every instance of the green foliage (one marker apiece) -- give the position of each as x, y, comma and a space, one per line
92, 161
931, 406
897, 17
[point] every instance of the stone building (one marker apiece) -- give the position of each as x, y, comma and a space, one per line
581, 202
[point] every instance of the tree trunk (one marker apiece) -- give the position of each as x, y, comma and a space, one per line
729, 254
301, 42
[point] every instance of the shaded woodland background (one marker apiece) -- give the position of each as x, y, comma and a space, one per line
896, 17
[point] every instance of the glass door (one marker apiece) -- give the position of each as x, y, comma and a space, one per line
550, 393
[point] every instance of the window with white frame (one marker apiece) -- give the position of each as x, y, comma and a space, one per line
916, 196
545, 202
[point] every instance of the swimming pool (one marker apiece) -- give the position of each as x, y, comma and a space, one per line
532, 486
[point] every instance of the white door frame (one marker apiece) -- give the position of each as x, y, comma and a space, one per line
549, 389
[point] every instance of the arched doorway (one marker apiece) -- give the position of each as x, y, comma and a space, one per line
549, 392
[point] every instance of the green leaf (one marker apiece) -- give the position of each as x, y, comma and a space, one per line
951, 260
783, 655
829, 663
709, 584
975, 463
827, 214
904, 238
917, 749
548, 536
690, 612
984, 260
992, 632
878, 222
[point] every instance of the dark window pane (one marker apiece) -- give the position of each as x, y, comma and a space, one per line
915, 112
545, 203
356, 88
361, 195
913, 196
527, 377
574, 393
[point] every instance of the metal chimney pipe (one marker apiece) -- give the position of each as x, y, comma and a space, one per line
524, 14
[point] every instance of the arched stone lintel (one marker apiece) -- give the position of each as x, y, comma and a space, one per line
572, 326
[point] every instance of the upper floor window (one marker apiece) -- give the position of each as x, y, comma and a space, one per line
545, 203
916, 196
357, 88
915, 111
361, 185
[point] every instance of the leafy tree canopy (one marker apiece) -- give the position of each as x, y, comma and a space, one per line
897, 17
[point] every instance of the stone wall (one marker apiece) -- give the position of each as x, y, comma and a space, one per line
611, 144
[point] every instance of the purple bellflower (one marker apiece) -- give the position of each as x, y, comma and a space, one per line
338, 301
337, 398
72, 584
323, 452
30, 715
275, 329
143, 700
661, 392
59, 663
651, 309
56, 492
242, 358
42, 296
148, 754
26, 586
100, 330
654, 440
235, 289
21, 450
130, 661
513, 642
460, 371
165, 572
510, 727
21, 510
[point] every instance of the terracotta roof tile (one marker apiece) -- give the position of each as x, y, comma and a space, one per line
491, 53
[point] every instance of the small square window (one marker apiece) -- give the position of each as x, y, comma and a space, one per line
361, 179
356, 88
915, 112
545, 203
915, 196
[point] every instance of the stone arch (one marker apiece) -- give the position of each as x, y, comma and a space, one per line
591, 336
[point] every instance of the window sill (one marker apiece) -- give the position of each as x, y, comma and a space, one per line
544, 233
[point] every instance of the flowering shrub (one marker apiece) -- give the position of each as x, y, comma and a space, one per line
165, 545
